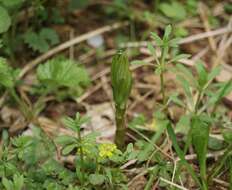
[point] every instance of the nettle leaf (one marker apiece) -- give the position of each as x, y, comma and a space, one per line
5, 20
173, 10
6, 77
41, 41
58, 72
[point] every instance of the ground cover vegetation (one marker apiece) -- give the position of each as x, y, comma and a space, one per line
115, 95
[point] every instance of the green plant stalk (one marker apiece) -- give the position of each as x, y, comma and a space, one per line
121, 127
230, 175
181, 155
162, 64
81, 155
23, 107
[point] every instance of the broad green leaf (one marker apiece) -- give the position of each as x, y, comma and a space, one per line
42, 40
173, 10
96, 179
5, 20
200, 138
59, 72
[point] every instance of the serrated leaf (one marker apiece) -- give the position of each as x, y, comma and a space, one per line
59, 72
41, 41
36, 42
50, 35
158, 40
5, 20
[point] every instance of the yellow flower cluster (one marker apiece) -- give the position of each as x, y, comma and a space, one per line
106, 150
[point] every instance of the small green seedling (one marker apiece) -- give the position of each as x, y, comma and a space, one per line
121, 78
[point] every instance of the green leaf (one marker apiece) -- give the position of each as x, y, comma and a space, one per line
41, 41
200, 138
6, 78
179, 57
18, 181
227, 135
65, 140
50, 35
5, 20
173, 10
35, 42
167, 32
96, 179
12, 3
174, 42
215, 71
71, 124
59, 72
158, 40
69, 148
202, 74
7, 184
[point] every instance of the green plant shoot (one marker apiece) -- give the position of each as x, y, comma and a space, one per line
121, 78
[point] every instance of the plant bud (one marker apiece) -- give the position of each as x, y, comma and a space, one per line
121, 78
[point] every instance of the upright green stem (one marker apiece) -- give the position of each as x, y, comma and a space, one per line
162, 64
81, 155
121, 127
23, 107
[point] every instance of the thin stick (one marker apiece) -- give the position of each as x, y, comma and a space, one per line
192, 38
68, 44
172, 184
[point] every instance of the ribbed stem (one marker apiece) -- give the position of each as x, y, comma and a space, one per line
121, 127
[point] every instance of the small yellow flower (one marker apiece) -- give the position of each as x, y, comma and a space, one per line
106, 150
